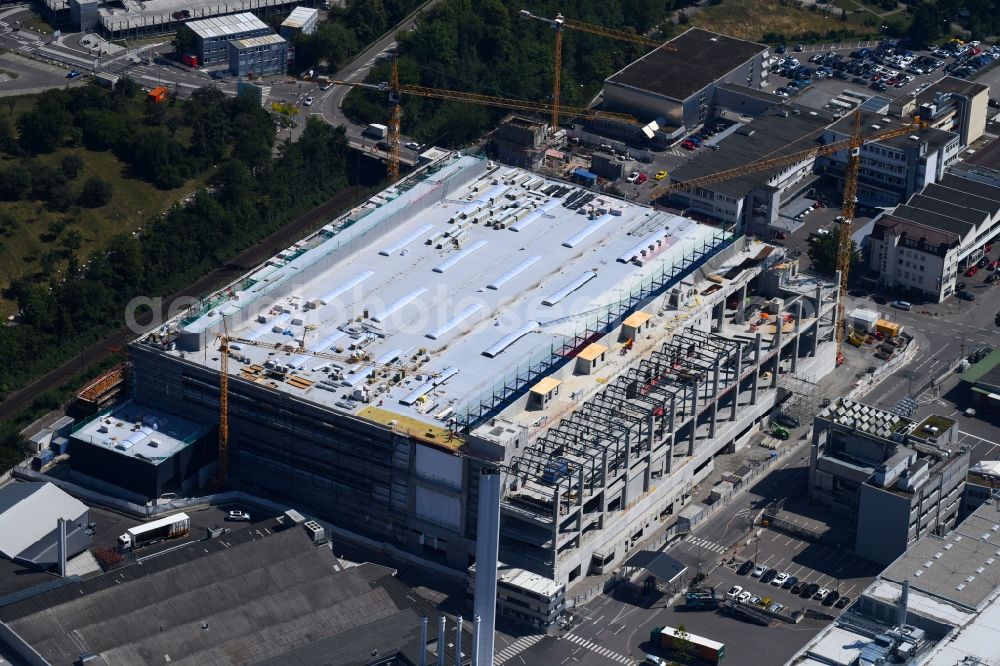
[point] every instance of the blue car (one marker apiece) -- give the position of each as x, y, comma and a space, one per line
781, 48
73, 74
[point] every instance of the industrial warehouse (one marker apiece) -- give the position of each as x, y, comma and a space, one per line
476, 315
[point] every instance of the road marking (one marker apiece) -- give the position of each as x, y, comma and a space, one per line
604, 652
706, 544
517, 647
796, 571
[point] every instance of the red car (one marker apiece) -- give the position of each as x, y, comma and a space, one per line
642, 178
689, 145
988, 248
972, 271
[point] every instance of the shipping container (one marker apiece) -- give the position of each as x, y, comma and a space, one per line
190, 59
890, 328
703, 648
158, 94
585, 177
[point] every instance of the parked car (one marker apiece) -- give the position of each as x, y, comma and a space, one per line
755, 600
960, 286
967, 296
902, 305
790, 583
744, 597
73, 74
983, 262
758, 571
796, 587
660, 175
780, 579
653, 660
972, 271
991, 278
746, 568
775, 607
632, 177
799, 48
831, 598
809, 590
734, 592
642, 177
240, 516
689, 145
412, 145
820, 594
842, 602
780, 49
768, 575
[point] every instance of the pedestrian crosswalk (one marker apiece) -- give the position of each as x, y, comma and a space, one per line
706, 544
516, 648
604, 652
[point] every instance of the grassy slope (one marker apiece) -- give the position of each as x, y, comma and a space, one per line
133, 201
750, 19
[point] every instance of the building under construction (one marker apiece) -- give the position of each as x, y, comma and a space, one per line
601, 351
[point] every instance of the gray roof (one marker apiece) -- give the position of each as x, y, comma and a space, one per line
659, 564
953, 573
701, 57
971, 186
934, 220
935, 138
771, 134
223, 26
964, 213
961, 197
950, 84
28, 513
259, 599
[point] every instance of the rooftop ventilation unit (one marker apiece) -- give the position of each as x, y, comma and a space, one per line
315, 531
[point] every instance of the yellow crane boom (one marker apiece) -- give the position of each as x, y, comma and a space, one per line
559, 23
394, 90
852, 144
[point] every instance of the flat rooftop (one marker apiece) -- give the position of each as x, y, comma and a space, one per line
962, 569
778, 131
141, 432
211, 14
873, 122
460, 279
697, 59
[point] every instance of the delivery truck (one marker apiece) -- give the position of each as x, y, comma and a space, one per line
171, 527
376, 131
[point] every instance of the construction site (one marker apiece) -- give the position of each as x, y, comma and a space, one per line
476, 315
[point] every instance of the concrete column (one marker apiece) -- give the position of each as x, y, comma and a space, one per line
736, 389
798, 335
721, 317
604, 483
458, 641
441, 630
647, 477
756, 370
694, 418
715, 399
61, 546
423, 641
673, 435
475, 640
487, 553
776, 341
777, 346
556, 519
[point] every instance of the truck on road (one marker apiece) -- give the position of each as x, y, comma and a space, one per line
376, 131
171, 527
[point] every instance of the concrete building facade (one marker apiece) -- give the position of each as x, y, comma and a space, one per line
893, 170
894, 480
950, 104
926, 245
675, 84
209, 38
258, 56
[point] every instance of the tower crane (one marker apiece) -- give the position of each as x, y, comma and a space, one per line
559, 23
853, 145
394, 90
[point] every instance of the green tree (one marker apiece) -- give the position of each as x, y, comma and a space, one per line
72, 240
96, 192
43, 128
682, 642
8, 222
823, 253
71, 165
